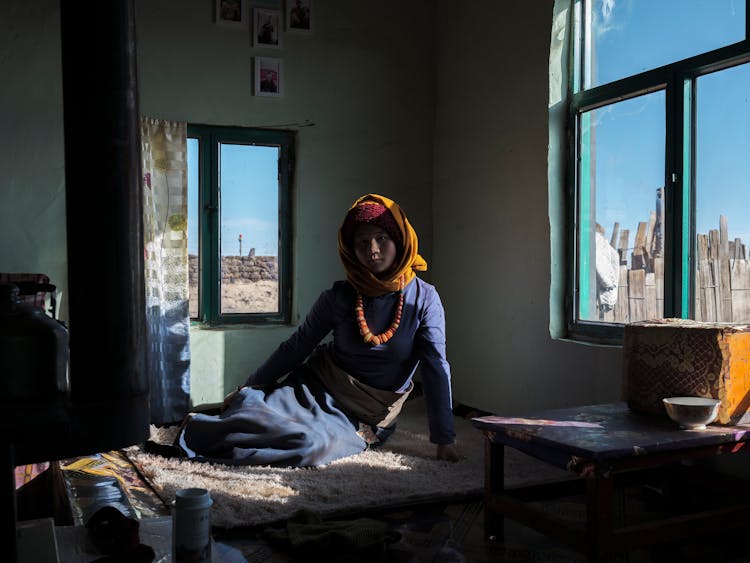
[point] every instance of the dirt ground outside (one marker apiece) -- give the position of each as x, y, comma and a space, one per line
243, 297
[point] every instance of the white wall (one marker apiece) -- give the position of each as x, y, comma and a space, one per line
359, 90
370, 90
491, 214
32, 183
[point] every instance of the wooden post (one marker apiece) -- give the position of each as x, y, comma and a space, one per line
713, 263
622, 314
622, 246
707, 285
649, 242
697, 302
639, 247
650, 296
724, 278
659, 285
637, 294
741, 291
739, 249
615, 235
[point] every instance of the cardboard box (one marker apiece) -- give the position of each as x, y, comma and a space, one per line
680, 357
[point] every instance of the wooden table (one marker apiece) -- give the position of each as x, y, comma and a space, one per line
599, 445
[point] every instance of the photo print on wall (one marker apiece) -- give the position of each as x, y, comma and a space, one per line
299, 16
230, 13
267, 28
268, 76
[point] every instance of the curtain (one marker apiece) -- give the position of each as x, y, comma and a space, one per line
164, 164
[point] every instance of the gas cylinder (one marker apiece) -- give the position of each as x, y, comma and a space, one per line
33, 352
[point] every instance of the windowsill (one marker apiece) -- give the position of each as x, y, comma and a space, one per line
199, 325
592, 342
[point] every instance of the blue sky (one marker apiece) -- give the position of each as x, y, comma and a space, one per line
249, 205
630, 37
636, 35
723, 165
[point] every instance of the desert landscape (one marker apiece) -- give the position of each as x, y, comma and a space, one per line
249, 284
250, 297
243, 297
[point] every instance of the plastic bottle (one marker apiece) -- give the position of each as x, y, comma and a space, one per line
191, 526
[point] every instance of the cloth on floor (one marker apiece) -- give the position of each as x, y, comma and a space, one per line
306, 532
296, 424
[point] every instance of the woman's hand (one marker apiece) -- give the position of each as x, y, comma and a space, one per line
447, 452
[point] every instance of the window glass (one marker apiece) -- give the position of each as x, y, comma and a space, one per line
239, 224
628, 37
621, 211
249, 184
722, 195
658, 165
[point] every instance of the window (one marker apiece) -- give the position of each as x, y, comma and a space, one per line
239, 225
660, 205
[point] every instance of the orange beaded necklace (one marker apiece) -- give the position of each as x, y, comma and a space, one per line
364, 330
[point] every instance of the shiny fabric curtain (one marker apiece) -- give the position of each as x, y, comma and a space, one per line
164, 163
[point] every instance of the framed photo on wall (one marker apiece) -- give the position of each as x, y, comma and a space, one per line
299, 16
268, 76
230, 13
267, 28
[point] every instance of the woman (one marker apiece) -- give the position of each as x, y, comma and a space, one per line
338, 398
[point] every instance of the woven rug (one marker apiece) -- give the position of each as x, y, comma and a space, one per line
403, 472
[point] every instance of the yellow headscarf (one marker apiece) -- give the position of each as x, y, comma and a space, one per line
407, 262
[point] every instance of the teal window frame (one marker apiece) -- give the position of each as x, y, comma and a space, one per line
210, 138
678, 80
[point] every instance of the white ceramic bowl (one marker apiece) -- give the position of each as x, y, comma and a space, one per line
692, 413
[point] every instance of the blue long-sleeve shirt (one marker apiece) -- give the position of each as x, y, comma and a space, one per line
420, 339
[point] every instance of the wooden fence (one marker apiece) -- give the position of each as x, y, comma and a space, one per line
722, 275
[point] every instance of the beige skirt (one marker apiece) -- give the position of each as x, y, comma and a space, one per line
367, 404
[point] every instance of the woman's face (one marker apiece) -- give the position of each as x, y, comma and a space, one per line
374, 248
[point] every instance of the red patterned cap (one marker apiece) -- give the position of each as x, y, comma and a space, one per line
373, 213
